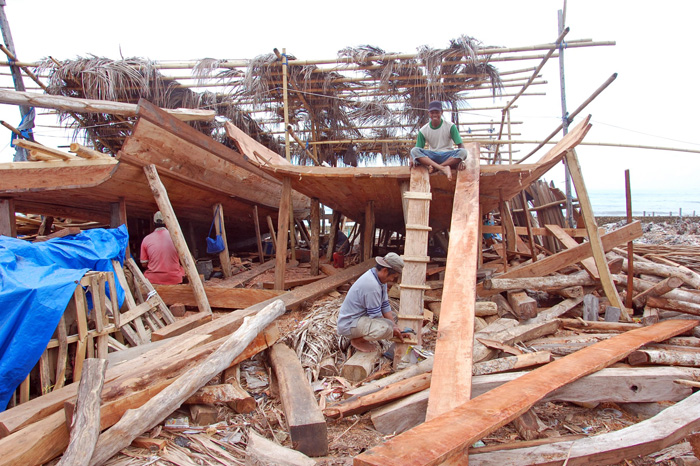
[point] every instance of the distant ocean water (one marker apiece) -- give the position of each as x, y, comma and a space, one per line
660, 203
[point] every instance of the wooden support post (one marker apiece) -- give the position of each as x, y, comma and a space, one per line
273, 236
8, 225
315, 234
85, 427
118, 217
62, 357
593, 237
504, 233
81, 320
282, 228
452, 369
292, 231
332, 235
630, 245
256, 221
307, 426
528, 224
220, 228
173, 227
368, 244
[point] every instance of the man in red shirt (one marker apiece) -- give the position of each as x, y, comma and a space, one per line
159, 255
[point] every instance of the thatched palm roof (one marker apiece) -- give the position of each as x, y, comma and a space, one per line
378, 98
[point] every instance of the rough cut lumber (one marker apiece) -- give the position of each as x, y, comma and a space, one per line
604, 326
452, 367
263, 452
134, 422
570, 256
659, 289
569, 242
529, 425
446, 437
86, 419
524, 306
642, 285
652, 268
554, 282
292, 283
173, 227
241, 279
220, 297
674, 305
230, 393
360, 365
203, 415
664, 357
617, 385
153, 444
307, 426
282, 230
415, 369
664, 429
73, 104
510, 363
361, 404
181, 326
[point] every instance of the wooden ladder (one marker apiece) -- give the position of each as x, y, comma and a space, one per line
416, 211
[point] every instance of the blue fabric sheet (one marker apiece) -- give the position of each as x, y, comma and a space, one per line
37, 280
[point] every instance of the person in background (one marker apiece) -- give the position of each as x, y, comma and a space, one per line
159, 256
440, 136
365, 315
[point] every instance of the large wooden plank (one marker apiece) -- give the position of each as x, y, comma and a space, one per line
181, 326
593, 236
570, 256
221, 297
452, 368
307, 426
569, 242
446, 438
612, 385
654, 434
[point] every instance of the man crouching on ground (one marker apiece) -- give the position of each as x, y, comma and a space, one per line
365, 315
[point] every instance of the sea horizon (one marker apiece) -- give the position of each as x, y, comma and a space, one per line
645, 203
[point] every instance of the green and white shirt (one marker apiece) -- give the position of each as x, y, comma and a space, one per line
440, 138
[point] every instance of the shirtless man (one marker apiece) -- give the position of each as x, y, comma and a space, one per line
441, 136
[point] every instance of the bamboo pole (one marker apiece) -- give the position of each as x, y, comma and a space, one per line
630, 244
573, 115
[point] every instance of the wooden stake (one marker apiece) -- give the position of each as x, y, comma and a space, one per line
173, 227
368, 245
256, 221
8, 224
220, 228
273, 236
315, 234
282, 228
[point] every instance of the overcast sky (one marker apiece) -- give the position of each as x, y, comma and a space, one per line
653, 101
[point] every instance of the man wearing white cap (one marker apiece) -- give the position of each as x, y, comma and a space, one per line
159, 256
365, 315
440, 135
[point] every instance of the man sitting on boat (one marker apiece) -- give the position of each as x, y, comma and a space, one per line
365, 315
440, 136
159, 256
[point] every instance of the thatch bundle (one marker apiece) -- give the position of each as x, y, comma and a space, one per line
367, 96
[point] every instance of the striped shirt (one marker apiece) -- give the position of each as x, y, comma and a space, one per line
367, 297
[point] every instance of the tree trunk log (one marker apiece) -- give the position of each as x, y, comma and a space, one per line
135, 422
85, 428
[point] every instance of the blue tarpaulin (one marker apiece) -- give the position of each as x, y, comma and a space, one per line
37, 281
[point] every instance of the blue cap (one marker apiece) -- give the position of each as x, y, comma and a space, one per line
435, 105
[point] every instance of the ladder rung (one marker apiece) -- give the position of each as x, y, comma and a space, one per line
411, 317
415, 287
418, 195
416, 259
414, 226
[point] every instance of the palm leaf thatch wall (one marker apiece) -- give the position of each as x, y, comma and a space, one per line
364, 96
